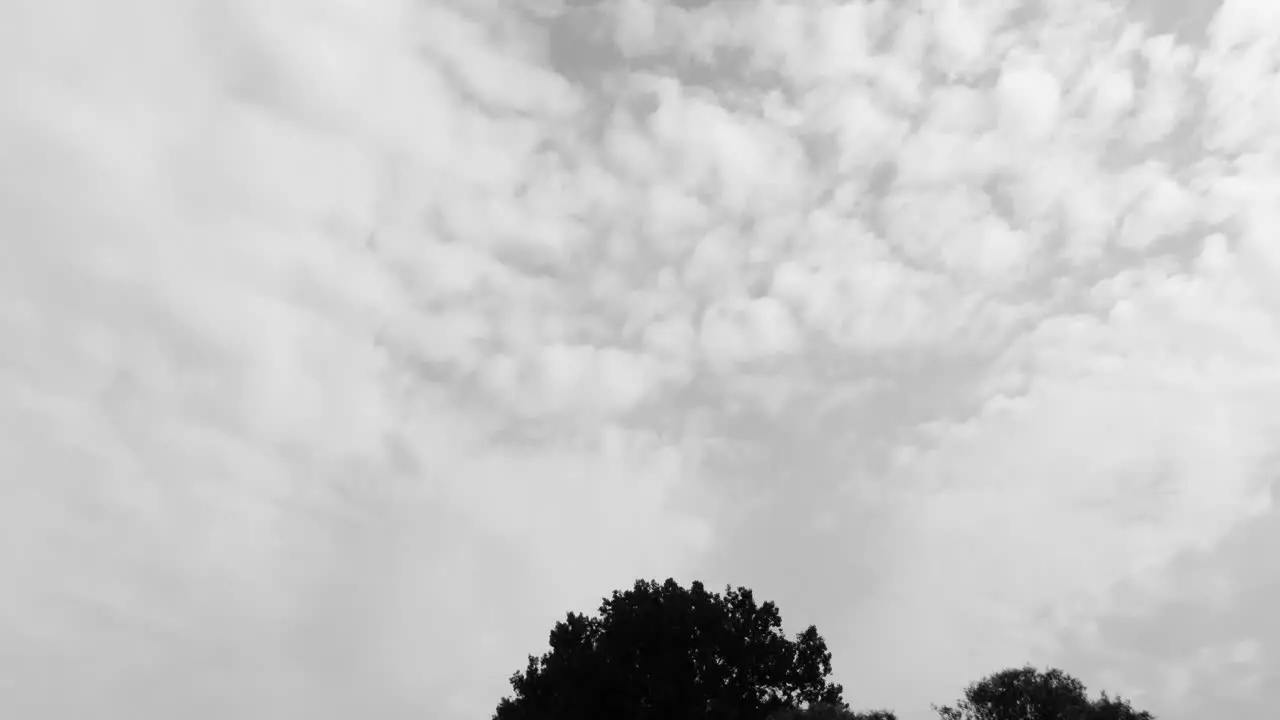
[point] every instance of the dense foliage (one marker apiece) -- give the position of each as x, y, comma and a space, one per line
1027, 694
663, 652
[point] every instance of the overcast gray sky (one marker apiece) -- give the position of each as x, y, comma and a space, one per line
344, 346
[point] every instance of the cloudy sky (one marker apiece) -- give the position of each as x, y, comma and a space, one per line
344, 346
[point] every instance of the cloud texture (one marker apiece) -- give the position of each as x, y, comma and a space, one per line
346, 346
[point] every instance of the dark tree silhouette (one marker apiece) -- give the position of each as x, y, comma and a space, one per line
661, 652
1028, 694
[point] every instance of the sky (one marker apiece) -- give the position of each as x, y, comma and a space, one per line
344, 347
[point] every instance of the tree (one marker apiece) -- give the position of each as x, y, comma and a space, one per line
1027, 694
670, 653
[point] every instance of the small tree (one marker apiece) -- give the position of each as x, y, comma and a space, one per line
663, 652
1027, 694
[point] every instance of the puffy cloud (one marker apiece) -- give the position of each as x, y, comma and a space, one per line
260, 258
1163, 208
747, 165
1029, 99
865, 132
1234, 665
746, 329
637, 29
563, 378
1111, 90
1077, 479
873, 305
958, 230
1163, 103
1237, 72
327, 326
962, 33
846, 34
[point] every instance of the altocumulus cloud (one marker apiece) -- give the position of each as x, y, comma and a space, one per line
346, 346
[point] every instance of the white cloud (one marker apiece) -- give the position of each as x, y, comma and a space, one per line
958, 230
1112, 94
867, 133
571, 379
674, 339
637, 30
1029, 99
714, 267
1237, 71
743, 329
846, 34
747, 165
339, 335
1163, 104
871, 305
1090, 212
962, 37
1163, 208
235, 267
1234, 667
1111, 485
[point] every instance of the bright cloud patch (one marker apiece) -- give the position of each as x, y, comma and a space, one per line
347, 347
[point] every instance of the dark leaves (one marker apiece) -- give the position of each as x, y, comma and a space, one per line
1027, 694
663, 651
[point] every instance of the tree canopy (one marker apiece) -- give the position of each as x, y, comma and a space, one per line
670, 653
1028, 694
664, 652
